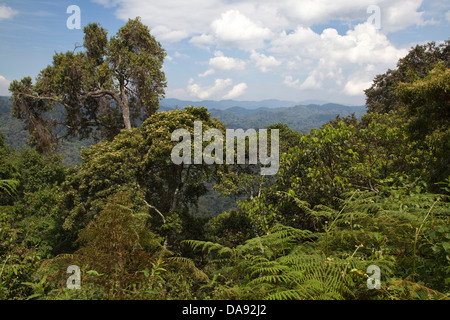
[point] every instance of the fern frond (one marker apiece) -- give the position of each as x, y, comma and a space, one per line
9, 186
208, 246
199, 274
288, 295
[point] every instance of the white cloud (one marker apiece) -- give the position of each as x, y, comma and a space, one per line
164, 33
447, 15
326, 61
220, 62
398, 15
302, 41
280, 36
356, 85
220, 89
247, 23
7, 12
173, 20
4, 86
395, 15
236, 30
314, 80
290, 82
264, 62
203, 40
310, 12
237, 90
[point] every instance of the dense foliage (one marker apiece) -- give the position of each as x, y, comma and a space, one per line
350, 195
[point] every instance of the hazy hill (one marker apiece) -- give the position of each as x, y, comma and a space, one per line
300, 118
235, 114
260, 114
171, 103
15, 135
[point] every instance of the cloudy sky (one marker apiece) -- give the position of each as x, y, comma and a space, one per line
238, 49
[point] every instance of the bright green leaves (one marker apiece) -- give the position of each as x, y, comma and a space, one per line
382, 96
139, 161
322, 165
427, 101
427, 110
260, 212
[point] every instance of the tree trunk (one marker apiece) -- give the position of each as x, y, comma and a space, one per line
125, 108
121, 100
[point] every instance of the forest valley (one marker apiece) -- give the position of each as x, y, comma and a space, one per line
355, 193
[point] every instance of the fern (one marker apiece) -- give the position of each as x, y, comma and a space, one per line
316, 277
209, 247
9, 186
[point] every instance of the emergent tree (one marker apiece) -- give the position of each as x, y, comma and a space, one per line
112, 84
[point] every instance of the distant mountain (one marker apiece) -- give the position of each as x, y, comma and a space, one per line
17, 137
171, 103
300, 118
234, 114
260, 114
12, 128
308, 102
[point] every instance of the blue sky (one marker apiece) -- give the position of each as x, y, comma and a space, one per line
244, 50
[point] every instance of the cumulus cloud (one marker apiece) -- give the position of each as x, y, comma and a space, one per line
220, 62
237, 30
356, 86
263, 62
170, 20
164, 33
237, 90
203, 40
4, 85
398, 15
7, 12
290, 82
220, 89
281, 36
247, 23
330, 61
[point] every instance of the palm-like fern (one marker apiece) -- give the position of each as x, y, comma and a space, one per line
9, 186
313, 277
283, 270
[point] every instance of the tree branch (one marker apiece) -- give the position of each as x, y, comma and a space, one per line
162, 217
154, 208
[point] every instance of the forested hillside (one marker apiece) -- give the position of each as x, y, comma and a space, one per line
301, 118
354, 195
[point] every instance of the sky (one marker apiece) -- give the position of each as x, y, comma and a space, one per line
293, 50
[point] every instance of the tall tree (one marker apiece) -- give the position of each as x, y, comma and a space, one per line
139, 161
427, 108
112, 84
382, 96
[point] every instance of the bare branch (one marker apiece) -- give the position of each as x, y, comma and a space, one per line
154, 208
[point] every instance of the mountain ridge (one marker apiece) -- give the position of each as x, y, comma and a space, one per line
234, 114
172, 103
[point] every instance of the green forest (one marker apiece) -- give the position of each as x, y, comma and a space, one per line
357, 194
